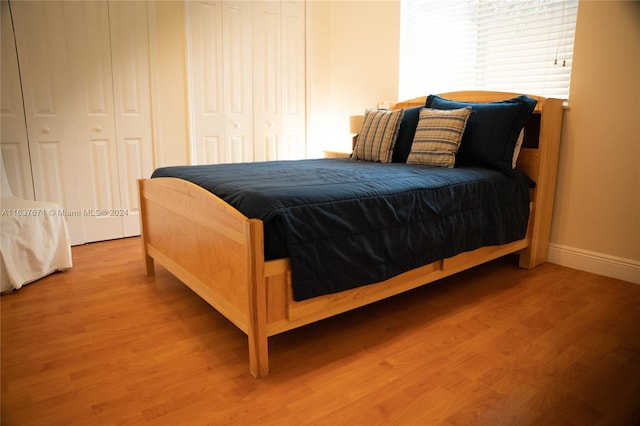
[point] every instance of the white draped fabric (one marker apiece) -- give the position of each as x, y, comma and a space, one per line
34, 239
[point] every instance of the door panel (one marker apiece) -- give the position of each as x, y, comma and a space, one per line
51, 165
238, 79
204, 26
13, 136
87, 25
85, 74
259, 77
293, 145
42, 55
267, 82
132, 100
134, 164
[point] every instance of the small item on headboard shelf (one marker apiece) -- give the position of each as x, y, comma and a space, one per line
355, 124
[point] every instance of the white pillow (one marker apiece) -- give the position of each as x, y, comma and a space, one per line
516, 151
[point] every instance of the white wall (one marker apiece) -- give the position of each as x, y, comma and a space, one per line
596, 223
352, 64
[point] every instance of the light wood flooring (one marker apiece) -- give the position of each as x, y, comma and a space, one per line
497, 345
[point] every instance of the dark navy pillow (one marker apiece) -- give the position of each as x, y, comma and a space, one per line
406, 133
492, 130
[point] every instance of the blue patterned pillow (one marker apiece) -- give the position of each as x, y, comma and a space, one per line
492, 130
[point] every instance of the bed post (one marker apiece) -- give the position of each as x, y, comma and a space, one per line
257, 327
549, 148
148, 260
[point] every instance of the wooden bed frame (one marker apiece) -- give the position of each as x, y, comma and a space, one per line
219, 254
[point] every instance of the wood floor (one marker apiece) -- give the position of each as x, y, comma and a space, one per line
497, 345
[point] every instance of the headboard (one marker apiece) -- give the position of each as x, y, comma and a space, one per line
538, 159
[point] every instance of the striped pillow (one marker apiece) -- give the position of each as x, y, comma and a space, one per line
378, 135
438, 136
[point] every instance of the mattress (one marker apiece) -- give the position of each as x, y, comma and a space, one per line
346, 223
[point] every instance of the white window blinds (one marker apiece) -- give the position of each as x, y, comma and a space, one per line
522, 46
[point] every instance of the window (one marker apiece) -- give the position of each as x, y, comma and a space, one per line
505, 45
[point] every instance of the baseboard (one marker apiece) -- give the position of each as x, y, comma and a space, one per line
597, 263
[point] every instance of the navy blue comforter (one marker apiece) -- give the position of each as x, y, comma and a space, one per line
346, 223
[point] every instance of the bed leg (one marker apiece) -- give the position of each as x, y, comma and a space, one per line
149, 265
257, 333
148, 260
530, 258
258, 355
258, 337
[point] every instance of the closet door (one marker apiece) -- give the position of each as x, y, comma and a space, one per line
279, 80
85, 74
13, 131
293, 140
267, 81
132, 103
87, 24
206, 83
238, 80
247, 80
220, 70
46, 82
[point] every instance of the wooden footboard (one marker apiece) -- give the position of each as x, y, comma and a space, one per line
219, 254
213, 249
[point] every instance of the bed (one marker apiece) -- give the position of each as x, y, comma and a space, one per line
220, 253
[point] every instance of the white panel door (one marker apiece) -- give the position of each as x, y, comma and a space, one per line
85, 75
87, 25
238, 80
206, 83
247, 80
13, 131
293, 139
267, 80
132, 101
42, 54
